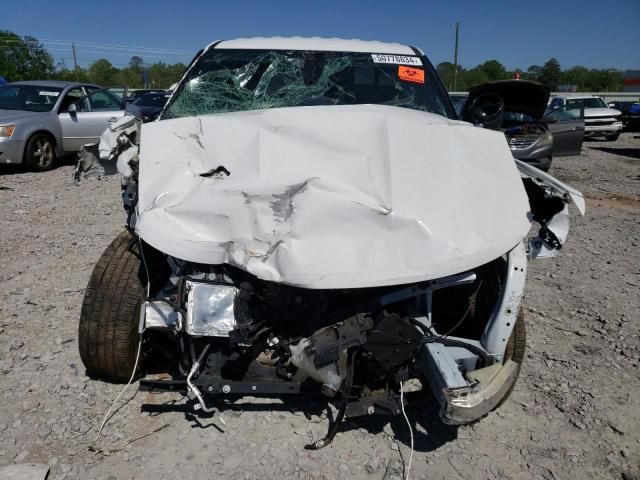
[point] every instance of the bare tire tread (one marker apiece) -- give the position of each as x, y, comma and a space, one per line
107, 333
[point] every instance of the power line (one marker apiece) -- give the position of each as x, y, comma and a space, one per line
104, 46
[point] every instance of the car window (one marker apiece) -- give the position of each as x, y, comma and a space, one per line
32, 98
151, 100
518, 117
585, 103
73, 96
103, 100
556, 103
566, 114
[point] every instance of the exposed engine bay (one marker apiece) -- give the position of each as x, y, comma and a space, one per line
238, 335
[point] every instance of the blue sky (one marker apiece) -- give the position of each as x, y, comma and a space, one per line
592, 33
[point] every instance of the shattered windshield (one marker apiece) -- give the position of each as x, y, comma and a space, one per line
236, 80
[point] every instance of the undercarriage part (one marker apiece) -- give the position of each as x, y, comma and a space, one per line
333, 427
201, 405
323, 356
393, 340
379, 402
210, 387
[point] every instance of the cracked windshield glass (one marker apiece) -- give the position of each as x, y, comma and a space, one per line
235, 80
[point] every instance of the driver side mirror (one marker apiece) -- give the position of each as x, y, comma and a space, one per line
72, 108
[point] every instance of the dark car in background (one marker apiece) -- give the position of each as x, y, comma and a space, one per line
517, 107
458, 100
134, 94
630, 114
147, 107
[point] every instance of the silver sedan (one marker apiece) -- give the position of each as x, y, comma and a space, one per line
41, 120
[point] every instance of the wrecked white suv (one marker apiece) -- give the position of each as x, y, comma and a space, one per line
307, 218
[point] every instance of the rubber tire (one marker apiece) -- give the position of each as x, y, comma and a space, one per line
29, 157
612, 138
108, 331
515, 350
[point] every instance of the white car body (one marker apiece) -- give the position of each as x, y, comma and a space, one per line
598, 122
326, 200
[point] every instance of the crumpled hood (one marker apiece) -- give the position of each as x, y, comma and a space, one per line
330, 196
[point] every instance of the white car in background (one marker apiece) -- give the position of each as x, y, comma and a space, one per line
599, 119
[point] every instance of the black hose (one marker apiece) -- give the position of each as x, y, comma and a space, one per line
346, 391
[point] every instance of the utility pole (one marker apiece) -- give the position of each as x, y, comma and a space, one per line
75, 60
455, 57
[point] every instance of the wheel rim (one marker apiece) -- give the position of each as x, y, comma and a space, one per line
43, 152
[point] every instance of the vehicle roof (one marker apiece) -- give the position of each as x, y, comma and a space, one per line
51, 83
315, 43
577, 97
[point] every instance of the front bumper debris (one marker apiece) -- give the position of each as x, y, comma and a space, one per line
464, 400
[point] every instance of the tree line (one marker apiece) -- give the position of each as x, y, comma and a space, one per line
25, 58
549, 74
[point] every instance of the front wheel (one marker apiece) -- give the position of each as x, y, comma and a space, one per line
40, 153
108, 331
515, 351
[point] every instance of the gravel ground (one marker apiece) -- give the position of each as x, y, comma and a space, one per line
573, 414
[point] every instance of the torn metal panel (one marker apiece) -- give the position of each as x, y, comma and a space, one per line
330, 197
549, 199
569, 193
503, 318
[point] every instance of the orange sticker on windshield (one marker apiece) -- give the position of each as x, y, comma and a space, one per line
410, 74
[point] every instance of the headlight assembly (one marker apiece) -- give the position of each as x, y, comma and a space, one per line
546, 139
210, 309
6, 130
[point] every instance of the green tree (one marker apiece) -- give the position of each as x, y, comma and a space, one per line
493, 70
577, 75
23, 58
605, 80
550, 74
136, 63
445, 72
533, 73
103, 73
476, 76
